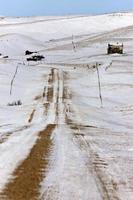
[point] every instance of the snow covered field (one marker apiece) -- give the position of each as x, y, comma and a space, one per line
61, 144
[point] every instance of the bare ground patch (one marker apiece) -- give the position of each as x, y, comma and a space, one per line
28, 176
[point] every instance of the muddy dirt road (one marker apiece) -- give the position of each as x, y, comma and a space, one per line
68, 159
61, 144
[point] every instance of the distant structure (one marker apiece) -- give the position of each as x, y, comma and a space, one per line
5, 56
36, 58
27, 52
115, 48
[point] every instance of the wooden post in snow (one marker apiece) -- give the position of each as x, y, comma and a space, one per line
73, 45
99, 85
11, 85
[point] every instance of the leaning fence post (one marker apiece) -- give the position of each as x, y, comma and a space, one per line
73, 45
11, 85
99, 85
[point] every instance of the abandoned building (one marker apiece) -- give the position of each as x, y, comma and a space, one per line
117, 48
27, 52
36, 58
5, 57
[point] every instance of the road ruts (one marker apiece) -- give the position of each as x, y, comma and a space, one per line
97, 166
25, 184
27, 177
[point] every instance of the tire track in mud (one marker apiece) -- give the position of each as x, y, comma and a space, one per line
5, 136
48, 92
31, 116
97, 166
106, 186
53, 192
26, 180
50, 86
59, 97
28, 176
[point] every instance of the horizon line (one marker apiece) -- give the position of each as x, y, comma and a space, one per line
69, 14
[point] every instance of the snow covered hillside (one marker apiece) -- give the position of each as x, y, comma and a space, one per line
61, 143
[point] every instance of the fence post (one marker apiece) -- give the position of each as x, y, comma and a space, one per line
11, 85
99, 85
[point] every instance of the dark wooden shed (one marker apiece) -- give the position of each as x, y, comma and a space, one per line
115, 48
